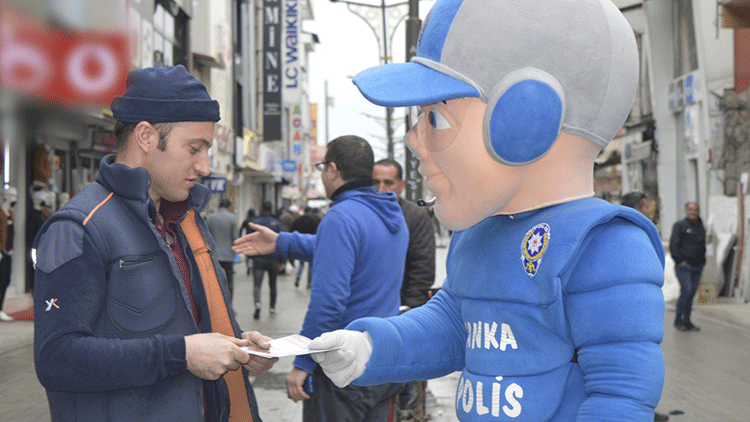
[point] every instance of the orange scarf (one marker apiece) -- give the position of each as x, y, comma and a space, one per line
219, 314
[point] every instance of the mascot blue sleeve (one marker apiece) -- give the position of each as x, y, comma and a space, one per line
615, 311
426, 342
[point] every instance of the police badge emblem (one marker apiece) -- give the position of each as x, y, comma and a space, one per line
533, 247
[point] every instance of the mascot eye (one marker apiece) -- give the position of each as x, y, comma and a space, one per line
438, 121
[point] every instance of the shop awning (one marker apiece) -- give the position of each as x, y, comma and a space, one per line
736, 14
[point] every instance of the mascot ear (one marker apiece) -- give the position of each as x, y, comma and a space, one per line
524, 116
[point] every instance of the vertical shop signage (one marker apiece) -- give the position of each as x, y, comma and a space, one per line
272, 70
295, 132
291, 53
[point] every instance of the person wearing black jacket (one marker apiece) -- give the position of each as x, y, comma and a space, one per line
688, 248
419, 271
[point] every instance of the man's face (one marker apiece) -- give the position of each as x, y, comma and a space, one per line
645, 208
328, 177
468, 184
175, 170
385, 179
692, 211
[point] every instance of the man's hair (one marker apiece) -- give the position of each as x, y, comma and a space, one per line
225, 203
266, 207
690, 202
123, 131
353, 157
394, 163
633, 199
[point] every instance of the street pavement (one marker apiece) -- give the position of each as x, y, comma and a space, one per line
707, 372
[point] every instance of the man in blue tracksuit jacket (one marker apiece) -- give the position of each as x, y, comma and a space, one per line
358, 257
552, 307
123, 328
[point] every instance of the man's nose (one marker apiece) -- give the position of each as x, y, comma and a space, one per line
202, 166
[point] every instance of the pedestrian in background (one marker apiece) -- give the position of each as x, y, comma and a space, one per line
687, 244
245, 229
223, 227
9, 197
266, 263
307, 223
419, 271
358, 258
287, 217
124, 328
639, 201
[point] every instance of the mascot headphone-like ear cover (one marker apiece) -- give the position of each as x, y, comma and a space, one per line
524, 116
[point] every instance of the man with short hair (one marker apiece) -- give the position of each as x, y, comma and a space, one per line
419, 273
128, 325
358, 265
223, 227
639, 201
687, 244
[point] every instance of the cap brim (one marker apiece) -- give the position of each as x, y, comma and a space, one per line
409, 84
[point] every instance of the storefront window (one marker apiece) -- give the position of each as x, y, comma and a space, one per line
683, 36
170, 39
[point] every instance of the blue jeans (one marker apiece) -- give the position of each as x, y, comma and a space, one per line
300, 268
689, 277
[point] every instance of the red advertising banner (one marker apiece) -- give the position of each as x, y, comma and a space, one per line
61, 66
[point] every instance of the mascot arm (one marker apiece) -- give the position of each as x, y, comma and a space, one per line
427, 342
615, 309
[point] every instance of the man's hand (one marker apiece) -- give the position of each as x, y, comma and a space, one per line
260, 242
346, 363
211, 355
295, 384
257, 365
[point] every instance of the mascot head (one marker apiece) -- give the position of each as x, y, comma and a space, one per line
531, 69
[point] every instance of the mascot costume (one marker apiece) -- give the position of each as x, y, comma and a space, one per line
552, 306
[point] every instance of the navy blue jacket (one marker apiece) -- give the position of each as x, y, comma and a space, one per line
111, 310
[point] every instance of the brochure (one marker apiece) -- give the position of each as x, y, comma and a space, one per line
293, 345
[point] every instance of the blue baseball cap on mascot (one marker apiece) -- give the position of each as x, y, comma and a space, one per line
542, 66
164, 94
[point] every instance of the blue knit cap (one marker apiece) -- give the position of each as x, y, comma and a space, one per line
164, 94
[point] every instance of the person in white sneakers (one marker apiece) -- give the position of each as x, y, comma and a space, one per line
10, 195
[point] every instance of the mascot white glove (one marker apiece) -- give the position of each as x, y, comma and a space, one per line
346, 363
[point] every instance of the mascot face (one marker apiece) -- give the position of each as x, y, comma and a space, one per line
468, 184
498, 82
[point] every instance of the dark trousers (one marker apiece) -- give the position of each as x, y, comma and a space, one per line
329, 403
260, 266
228, 267
4, 277
689, 277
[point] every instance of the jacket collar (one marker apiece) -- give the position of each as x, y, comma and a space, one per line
133, 183
354, 184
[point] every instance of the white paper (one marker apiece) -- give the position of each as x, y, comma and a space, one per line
293, 345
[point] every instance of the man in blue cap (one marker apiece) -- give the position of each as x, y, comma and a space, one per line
552, 307
132, 319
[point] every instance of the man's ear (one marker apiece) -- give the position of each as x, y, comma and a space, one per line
145, 136
334, 167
